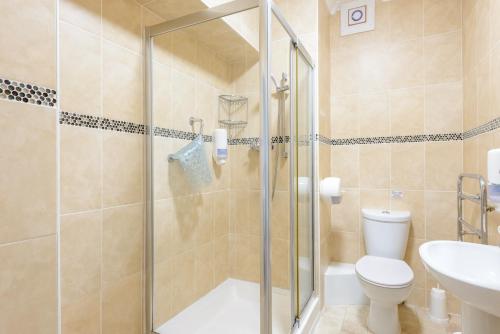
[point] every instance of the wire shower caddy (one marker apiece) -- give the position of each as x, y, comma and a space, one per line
233, 113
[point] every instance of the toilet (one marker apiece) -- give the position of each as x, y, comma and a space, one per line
385, 278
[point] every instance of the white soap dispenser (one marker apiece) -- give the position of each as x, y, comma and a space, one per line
219, 140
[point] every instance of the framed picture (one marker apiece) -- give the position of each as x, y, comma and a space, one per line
357, 16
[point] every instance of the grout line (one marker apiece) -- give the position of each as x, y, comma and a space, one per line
57, 102
11, 243
101, 148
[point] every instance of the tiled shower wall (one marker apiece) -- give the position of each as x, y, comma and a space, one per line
28, 206
390, 88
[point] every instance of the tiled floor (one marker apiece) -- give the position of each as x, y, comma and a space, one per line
352, 320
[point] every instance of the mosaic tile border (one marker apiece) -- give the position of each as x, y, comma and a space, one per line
487, 127
27, 93
397, 139
178, 134
96, 122
30, 93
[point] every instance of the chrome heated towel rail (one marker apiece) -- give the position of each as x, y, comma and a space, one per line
463, 227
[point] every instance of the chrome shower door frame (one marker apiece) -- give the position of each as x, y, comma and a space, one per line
267, 8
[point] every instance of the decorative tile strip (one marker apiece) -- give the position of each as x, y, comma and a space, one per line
27, 93
96, 122
244, 141
178, 134
397, 139
487, 127
324, 140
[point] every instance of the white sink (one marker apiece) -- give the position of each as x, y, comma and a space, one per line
472, 273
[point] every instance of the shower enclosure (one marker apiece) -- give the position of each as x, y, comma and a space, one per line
229, 242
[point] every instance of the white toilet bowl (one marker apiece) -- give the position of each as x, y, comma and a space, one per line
387, 282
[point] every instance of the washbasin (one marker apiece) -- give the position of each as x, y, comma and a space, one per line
469, 271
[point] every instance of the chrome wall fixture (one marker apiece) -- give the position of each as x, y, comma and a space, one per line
266, 11
463, 227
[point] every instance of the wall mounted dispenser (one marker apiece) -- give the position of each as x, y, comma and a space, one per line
494, 176
220, 152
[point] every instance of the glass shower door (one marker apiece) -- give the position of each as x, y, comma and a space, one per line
303, 180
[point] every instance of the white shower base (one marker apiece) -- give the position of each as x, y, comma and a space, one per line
233, 308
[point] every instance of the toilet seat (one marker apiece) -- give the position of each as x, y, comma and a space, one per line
384, 272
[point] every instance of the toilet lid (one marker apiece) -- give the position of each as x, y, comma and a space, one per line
384, 271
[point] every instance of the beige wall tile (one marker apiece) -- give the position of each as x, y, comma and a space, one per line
345, 71
220, 209
121, 306
28, 171
280, 215
408, 166
221, 259
374, 63
443, 58
345, 216
164, 218
442, 16
83, 316
374, 199
469, 43
163, 277
345, 164
280, 258
344, 247
441, 212
406, 19
413, 201
122, 168
412, 257
495, 81
374, 164
482, 29
494, 24
407, 111
122, 23
407, 64
374, 115
85, 14
122, 242
443, 108
443, 163
122, 84
471, 158
29, 57
204, 269
183, 283
470, 101
28, 289
80, 67
162, 95
244, 255
81, 174
345, 117
80, 254
183, 100
484, 92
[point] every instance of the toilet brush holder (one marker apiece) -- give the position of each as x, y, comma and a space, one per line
437, 306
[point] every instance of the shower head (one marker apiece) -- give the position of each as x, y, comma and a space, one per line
282, 86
